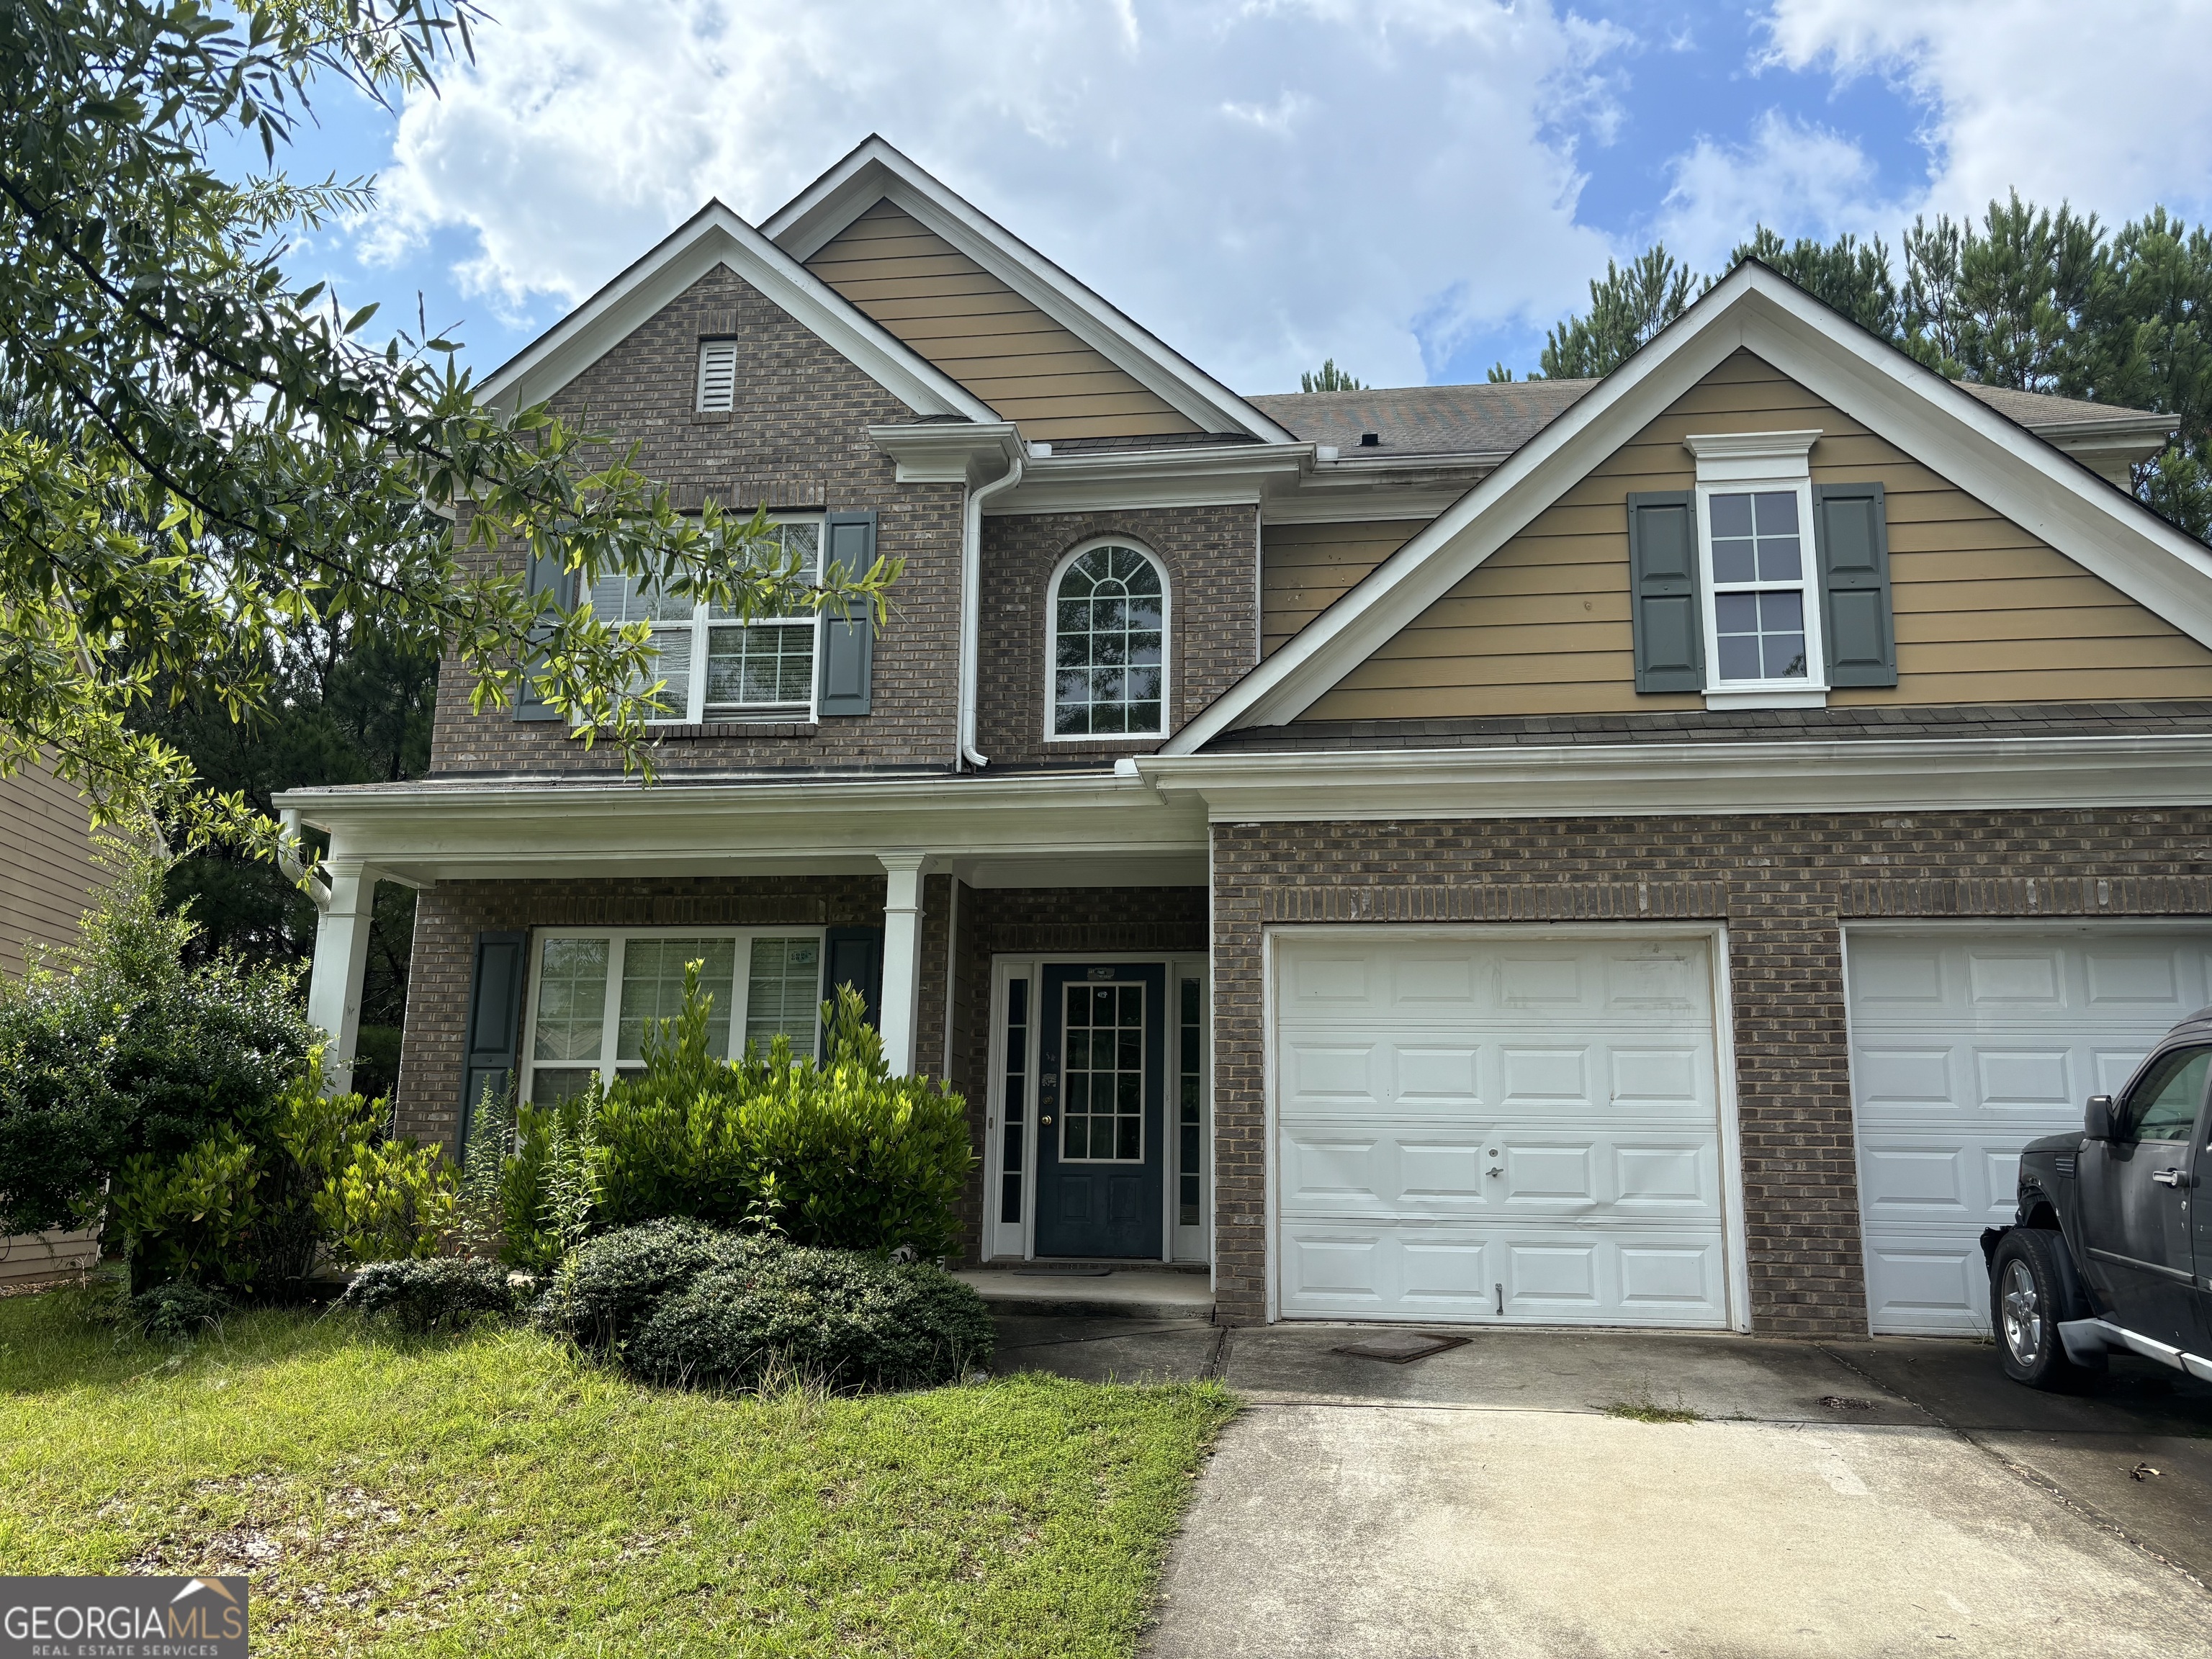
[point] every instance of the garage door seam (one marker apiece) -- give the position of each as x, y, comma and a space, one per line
2034, 1477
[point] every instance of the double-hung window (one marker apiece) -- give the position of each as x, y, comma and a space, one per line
718, 667
596, 992
1754, 528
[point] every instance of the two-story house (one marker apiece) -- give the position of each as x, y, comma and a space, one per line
1645, 851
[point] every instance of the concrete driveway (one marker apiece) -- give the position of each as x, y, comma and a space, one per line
1874, 1498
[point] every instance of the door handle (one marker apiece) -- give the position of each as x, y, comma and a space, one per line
1047, 1118
2169, 1177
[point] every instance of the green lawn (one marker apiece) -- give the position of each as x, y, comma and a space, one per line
494, 1494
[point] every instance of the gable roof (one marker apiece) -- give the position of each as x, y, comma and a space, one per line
1958, 435
716, 235
875, 172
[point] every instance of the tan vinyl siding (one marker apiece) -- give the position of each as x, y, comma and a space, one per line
1985, 611
984, 335
46, 872
1306, 568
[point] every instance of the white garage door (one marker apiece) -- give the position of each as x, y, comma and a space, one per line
1509, 1128
1965, 1045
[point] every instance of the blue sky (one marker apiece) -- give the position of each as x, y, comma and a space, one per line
1416, 187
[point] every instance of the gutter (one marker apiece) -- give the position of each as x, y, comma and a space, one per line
971, 605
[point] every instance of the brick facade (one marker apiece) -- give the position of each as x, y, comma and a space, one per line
1213, 560
798, 439
1784, 885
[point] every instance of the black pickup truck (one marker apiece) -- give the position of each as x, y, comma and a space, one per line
2112, 1250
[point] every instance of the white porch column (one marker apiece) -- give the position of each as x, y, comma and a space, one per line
341, 963
902, 996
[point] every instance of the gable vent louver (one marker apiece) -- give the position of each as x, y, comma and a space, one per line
718, 375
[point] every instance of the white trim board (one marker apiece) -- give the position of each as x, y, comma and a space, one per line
716, 235
2016, 473
874, 171
1708, 779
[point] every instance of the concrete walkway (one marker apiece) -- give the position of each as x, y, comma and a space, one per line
1843, 1499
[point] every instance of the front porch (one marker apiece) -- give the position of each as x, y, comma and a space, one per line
1060, 986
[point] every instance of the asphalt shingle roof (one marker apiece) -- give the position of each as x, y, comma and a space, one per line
1497, 418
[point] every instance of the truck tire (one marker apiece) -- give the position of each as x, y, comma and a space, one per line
2033, 1289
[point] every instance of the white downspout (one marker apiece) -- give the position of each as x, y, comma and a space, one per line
971, 605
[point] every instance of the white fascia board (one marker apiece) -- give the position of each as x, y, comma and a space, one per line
2009, 469
713, 236
1708, 779
950, 452
1104, 480
445, 832
875, 171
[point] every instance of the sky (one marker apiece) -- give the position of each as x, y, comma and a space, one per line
1415, 188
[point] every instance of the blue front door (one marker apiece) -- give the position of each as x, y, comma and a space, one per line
1100, 1151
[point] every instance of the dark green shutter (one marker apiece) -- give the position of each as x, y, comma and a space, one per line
1662, 566
849, 632
493, 1036
854, 957
1850, 540
546, 575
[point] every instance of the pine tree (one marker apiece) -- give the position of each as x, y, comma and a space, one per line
1626, 309
1329, 378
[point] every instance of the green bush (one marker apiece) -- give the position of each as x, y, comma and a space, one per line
840, 1155
601, 1292
852, 1321
421, 1296
392, 1199
682, 1303
133, 1053
195, 1218
178, 1312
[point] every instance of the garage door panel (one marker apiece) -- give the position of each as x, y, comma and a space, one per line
1682, 1179
1329, 1077
1543, 1275
1965, 1045
1447, 1076
1545, 1079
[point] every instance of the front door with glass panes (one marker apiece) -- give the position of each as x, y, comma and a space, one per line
1101, 1061
597, 992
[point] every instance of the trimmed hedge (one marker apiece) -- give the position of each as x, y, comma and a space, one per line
678, 1303
442, 1292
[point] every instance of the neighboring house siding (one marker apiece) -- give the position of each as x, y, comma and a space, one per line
983, 334
1211, 555
449, 917
1985, 612
1784, 885
1307, 568
47, 871
797, 440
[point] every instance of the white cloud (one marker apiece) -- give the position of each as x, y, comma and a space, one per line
1262, 182
2100, 104
1817, 178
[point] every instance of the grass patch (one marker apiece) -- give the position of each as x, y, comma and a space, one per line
495, 1494
1642, 1409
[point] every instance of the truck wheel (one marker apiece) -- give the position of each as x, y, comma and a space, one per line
2031, 1293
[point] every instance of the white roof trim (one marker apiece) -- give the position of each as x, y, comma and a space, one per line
875, 171
1707, 779
2010, 470
716, 235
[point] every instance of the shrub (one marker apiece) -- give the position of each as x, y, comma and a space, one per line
178, 1311
610, 1283
842, 1155
392, 1199
133, 1053
851, 1320
193, 1218
421, 1296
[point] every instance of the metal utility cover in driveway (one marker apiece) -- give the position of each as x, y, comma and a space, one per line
1402, 1347
1498, 1128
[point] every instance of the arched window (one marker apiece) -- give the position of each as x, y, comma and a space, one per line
1108, 645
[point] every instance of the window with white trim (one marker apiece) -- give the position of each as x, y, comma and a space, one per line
1762, 609
596, 992
1108, 645
718, 667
